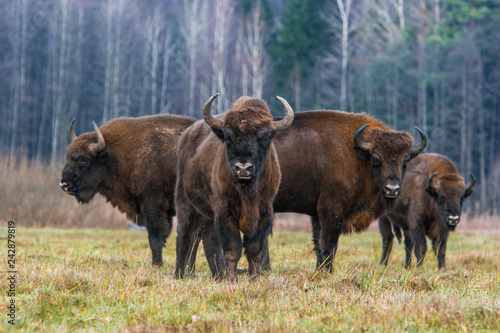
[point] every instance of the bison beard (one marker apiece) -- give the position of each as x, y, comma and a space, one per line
235, 155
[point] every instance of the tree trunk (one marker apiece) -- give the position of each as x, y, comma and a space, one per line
167, 54
344, 15
422, 81
61, 83
109, 63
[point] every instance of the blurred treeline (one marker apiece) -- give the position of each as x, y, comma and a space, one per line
434, 64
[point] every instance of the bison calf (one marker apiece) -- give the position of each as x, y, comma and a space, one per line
228, 177
132, 162
430, 205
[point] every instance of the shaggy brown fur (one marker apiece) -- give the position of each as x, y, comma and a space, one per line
425, 211
136, 171
212, 201
326, 177
249, 120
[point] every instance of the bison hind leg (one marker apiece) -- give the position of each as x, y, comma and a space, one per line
159, 226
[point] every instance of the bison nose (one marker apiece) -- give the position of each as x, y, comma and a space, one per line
244, 170
392, 190
64, 186
453, 219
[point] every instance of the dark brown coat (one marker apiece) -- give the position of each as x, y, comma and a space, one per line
133, 167
342, 185
228, 177
430, 205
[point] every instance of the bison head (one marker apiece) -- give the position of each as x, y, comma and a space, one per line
86, 165
247, 130
448, 193
388, 152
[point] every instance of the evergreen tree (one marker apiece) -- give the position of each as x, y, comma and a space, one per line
300, 40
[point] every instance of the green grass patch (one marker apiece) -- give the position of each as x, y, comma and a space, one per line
102, 280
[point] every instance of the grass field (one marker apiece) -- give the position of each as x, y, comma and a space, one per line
102, 280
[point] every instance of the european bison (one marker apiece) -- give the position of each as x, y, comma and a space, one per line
343, 170
132, 162
228, 176
430, 205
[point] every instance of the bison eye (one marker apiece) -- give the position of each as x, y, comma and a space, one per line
375, 161
440, 199
84, 160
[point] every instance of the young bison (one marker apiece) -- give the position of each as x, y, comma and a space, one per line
430, 205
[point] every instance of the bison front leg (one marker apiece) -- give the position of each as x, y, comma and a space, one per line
329, 240
229, 237
385, 229
213, 252
408, 250
420, 246
265, 259
253, 248
441, 253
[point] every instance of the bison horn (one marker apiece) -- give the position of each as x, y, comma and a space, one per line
416, 149
72, 135
284, 123
430, 183
99, 146
360, 143
216, 124
470, 184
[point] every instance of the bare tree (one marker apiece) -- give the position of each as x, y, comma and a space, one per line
255, 50
224, 11
348, 22
21, 10
60, 68
168, 50
191, 28
422, 78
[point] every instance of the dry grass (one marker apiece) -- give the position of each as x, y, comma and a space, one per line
101, 280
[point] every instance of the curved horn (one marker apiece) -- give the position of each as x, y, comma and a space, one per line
470, 184
360, 143
72, 135
279, 125
216, 124
99, 146
416, 149
430, 183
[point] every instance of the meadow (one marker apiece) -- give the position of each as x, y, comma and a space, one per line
102, 280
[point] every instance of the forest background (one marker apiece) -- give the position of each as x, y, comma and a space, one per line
434, 64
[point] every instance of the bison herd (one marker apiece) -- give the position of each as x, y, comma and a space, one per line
225, 176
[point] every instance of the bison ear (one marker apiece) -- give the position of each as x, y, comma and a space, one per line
103, 156
431, 188
431, 191
362, 155
219, 133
